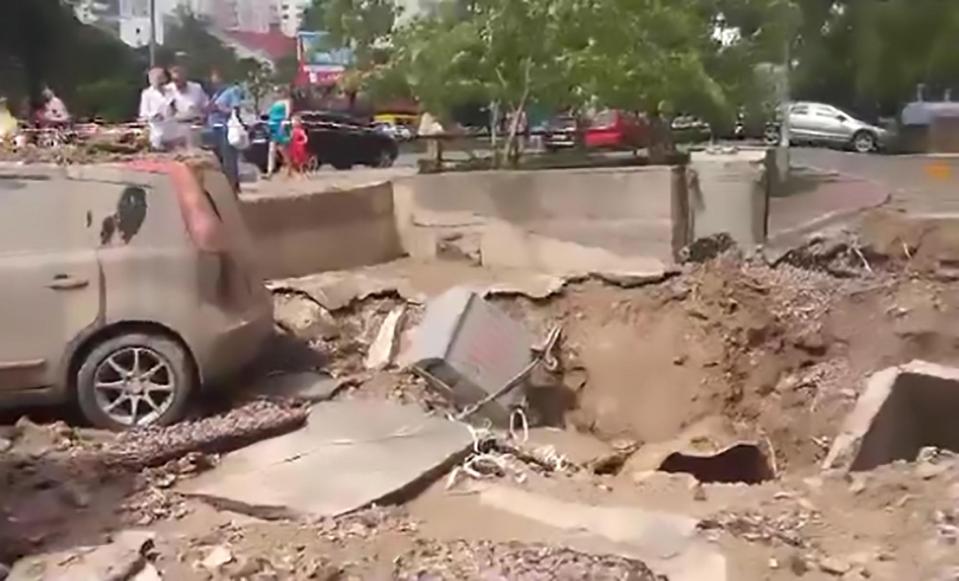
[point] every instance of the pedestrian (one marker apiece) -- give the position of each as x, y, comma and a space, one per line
53, 112
190, 103
299, 152
278, 122
431, 128
8, 123
157, 111
226, 101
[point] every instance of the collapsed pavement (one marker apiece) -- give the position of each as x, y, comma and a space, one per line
731, 355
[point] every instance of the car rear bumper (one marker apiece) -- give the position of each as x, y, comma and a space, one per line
240, 342
560, 139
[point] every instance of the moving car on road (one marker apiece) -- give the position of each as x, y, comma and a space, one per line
821, 124
336, 139
126, 288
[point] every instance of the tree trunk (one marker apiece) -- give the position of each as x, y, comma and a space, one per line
513, 150
661, 146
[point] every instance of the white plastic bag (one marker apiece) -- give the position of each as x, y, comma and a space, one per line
236, 134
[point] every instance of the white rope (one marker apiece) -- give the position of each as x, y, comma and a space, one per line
524, 422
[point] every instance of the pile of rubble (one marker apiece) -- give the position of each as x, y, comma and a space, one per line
520, 561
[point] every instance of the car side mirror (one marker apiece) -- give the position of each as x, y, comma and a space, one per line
842, 118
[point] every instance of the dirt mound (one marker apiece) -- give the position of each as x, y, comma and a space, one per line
774, 354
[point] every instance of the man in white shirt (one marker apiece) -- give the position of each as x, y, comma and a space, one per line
157, 111
190, 103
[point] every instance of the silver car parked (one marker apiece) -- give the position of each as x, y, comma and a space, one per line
822, 124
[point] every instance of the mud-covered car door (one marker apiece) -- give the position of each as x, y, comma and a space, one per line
49, 277
240, 275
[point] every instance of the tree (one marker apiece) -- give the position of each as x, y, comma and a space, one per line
42, 43
870, 55
628, 54
481, 53
189, 41
258, 77
361, 25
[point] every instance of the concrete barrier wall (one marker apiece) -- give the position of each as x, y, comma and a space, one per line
628, 211
647, 212
312, 232
729, 193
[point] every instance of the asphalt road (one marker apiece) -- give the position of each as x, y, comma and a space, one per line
920, 184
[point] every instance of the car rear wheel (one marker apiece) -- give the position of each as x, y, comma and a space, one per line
135, 380
864, 142
771, 135
385, 158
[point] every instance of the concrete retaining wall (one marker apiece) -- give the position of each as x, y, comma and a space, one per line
729, 193
312, 232
628, 211
533, 219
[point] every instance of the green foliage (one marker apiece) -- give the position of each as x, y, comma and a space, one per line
871, 55
189, 42
359, 24
41, 43
258, 78
631, 54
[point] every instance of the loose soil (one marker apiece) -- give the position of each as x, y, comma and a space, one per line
730, 350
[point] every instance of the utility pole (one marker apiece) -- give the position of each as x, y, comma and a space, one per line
784, 131
153, 33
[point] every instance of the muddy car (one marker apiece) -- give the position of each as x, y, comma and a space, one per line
125, 288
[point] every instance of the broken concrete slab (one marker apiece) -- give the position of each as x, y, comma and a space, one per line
339, 289
350, 454
417, 282
475, 350
668, 543
121, 559
902, 410
504, 245
383, 349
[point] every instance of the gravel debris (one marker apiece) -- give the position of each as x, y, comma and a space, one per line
487, 561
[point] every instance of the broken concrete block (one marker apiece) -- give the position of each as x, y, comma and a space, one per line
121, 559
350, 454
383, 349
669, 544
902, 410
474, 348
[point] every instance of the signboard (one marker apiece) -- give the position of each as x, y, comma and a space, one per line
315, 49
320, 62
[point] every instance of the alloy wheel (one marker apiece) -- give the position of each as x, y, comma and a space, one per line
134, 386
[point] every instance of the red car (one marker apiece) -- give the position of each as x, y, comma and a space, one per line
614, 129
609, 129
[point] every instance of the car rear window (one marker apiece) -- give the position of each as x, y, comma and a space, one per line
604, 118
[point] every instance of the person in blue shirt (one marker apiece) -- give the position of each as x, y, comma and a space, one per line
226, 99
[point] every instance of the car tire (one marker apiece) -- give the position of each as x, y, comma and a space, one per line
772, 136
153, 373
385, 158
864, 142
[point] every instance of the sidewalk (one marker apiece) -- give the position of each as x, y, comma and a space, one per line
817, 199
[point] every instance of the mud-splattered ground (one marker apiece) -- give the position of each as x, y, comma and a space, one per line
730, 350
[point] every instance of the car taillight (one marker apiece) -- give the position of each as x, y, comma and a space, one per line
199, 216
